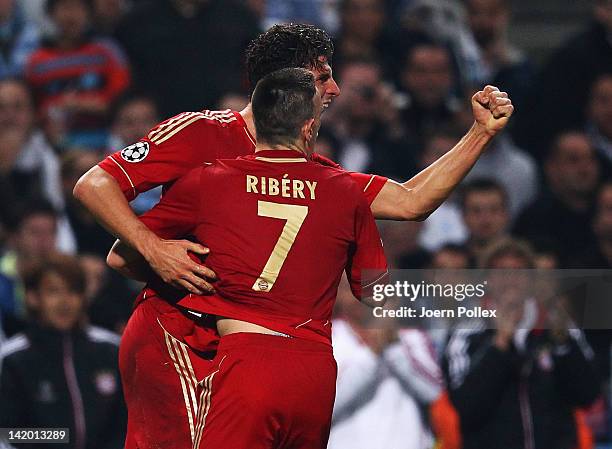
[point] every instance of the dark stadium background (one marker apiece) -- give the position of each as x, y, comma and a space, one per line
406, 68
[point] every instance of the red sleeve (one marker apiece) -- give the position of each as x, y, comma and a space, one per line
170, 150
176, 214
370, 185
367, 263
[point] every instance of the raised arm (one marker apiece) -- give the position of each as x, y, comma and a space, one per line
418, 197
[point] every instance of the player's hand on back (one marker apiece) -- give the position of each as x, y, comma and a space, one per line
171, 261
492, 109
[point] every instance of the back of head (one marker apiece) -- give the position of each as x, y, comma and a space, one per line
282, 102
286, 46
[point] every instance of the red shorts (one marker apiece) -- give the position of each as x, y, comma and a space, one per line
267, 392
160, 371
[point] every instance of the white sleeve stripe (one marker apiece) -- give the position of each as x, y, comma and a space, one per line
369, 182
376, 280
160, 127
125, 173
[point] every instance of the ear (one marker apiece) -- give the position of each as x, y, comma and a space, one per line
308, 129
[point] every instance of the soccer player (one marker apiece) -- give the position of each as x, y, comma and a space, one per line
192, 138
281, 231
160, 336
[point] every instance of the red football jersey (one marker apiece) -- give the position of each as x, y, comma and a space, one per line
281, 230
189, 140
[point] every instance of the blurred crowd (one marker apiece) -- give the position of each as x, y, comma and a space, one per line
80, 79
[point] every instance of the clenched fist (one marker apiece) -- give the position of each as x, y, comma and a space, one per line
492, 109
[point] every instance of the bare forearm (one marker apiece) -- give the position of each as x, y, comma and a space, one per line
101, 195
127, 261
418, 197
435, 183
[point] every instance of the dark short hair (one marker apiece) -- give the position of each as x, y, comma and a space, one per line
483, 185
282, 102
33, 206
68, 268
287, 46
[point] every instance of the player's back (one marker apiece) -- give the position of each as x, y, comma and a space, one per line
281, 230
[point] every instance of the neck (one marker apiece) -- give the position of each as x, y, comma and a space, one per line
247, 115
289, 147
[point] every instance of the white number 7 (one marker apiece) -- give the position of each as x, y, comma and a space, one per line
295, 216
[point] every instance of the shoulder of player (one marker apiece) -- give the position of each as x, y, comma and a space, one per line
340, 177
202, 123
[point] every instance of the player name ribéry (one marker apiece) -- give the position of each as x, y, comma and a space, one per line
285, 187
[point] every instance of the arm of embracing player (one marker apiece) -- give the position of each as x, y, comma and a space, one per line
418, 197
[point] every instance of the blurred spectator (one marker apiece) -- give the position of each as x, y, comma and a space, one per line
513, 386
234, 101
27, 162
445, 224
75, 77
511, 167
428, 79
187, 53
61, 372
109, 294
402, 244
32, 240
599, 125
314, 12
90, 236
18, 39
133, 116
444, 21
600, 254
451, 257
484, 205
107, 14
559, 97
364, 124
504, 65
562, 215
364, 34
386, 380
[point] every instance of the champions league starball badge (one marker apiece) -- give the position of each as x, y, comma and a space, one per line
135, 152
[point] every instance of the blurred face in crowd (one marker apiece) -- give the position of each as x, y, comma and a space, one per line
72, 18
600, 105
76, 163
95, 269
6, 9
602, 223
450, 259
59, 306
603, 12
435, 148
135, 119
428, 75
16, 107
400, 237
36, 236
488, 20
485, 214
572, 169
360, 87
363, 19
